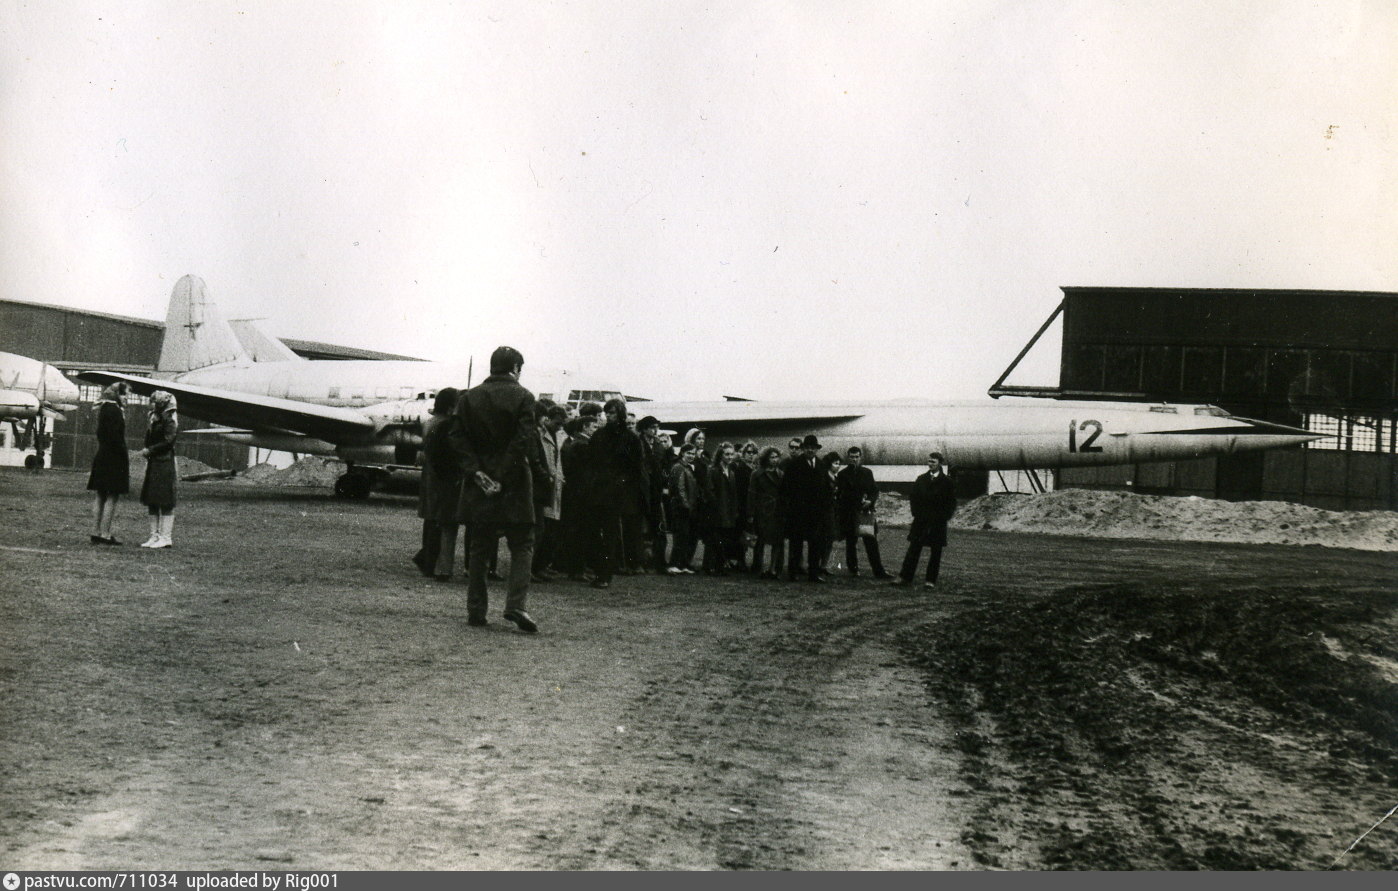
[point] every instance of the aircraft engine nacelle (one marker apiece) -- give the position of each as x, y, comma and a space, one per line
18, 404
404, 414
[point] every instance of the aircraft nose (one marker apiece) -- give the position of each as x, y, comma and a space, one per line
1271, 429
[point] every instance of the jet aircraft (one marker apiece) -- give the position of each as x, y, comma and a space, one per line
32, 393
1008, 434
296, 405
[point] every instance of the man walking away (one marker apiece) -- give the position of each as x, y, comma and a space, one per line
933, 503
857, 493
494, 437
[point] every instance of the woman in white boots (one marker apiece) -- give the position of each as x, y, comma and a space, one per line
158, 492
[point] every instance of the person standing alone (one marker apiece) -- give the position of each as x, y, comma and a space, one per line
933, 502
494, 437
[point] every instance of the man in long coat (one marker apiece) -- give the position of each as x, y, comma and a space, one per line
617, 484
933, 502
653, 464
856, 493
548, 498
804, 492
494, 437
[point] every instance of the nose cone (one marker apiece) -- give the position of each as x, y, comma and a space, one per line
1275, 434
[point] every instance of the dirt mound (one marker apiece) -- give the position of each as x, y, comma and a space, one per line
1172, 729
183, 466
310, 471
1127, 515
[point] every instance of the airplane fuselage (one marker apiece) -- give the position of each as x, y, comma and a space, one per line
990, 435
1004, 435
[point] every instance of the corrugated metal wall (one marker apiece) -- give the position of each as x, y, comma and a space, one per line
54, 334
1275, 355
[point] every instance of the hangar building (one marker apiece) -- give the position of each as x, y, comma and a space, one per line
1323, 360
77, 340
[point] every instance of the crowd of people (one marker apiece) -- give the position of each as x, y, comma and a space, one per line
592, 493
588, 494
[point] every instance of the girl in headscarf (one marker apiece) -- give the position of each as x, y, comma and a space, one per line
158, 492
111, 468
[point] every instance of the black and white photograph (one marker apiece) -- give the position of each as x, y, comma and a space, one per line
752, 435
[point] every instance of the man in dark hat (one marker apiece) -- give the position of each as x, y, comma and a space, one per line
793, 553
803, 494
495, 437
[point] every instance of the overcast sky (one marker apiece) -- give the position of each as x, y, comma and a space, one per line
799, 199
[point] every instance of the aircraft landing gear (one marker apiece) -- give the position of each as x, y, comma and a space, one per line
37, 433
353, 484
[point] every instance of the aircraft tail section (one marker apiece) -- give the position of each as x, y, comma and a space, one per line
196, 335
261, 346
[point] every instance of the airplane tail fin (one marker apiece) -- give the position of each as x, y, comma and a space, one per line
262, 346
196, 335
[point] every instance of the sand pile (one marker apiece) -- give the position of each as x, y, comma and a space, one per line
310, 471
183, 467
1126, 515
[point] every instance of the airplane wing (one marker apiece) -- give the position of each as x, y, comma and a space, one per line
706, 414
245, 410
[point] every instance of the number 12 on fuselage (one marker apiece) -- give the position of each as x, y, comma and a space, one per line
1087, 445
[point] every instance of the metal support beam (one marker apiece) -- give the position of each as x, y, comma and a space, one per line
995, 389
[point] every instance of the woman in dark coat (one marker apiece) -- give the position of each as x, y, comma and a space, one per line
831, 463
439, 491
764, 509
158, 491
111, 467
725, 511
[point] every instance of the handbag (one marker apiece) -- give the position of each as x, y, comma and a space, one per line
868, 524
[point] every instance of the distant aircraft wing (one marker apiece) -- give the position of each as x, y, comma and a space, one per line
714, 414
248, 411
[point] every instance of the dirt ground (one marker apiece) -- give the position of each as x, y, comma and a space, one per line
283, 690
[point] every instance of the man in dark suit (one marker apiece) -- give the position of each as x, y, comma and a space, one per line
803, 494
933, 503
653, 461
856, 493
494, 438
617, 485
793, 551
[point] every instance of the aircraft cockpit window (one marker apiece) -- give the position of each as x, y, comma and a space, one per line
1164, 409
1212, 411
334, 393
381, 393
